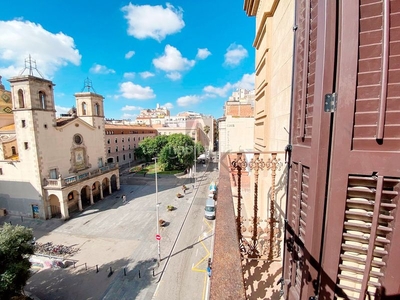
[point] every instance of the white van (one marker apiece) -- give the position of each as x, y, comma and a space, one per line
209, 210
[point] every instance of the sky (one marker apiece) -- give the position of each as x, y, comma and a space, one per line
183, 55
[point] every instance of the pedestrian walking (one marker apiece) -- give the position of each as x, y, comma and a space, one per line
123, 199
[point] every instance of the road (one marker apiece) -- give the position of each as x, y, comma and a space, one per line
185, 275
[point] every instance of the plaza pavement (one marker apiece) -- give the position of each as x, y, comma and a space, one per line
118, 250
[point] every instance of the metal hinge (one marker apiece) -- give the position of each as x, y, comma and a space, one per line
330, 102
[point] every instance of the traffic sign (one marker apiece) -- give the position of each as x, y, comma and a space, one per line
158, 237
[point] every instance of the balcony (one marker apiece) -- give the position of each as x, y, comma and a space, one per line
73, 179
247, 262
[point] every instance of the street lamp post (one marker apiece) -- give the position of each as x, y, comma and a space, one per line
157, 217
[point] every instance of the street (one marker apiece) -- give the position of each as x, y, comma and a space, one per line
118, 248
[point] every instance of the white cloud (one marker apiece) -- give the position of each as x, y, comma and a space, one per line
100, 69
129, 75
156, 22
19, 39
172, 60
130, 90
131, 107
129, 117
129, 54
168, 105
146, 74
247, 82
234, 55
188, 100
174, 76
202, 53
219, 91
62, 110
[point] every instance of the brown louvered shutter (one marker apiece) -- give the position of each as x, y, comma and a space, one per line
362, 235
313, 78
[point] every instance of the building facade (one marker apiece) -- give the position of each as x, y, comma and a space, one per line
51, 167
122, 140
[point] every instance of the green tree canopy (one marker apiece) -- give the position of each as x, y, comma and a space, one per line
178, 153
151, 147
15, 248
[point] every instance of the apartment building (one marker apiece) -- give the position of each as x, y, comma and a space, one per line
121, 140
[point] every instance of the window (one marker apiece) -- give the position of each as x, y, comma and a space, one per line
14, 152
1, 171
21, 101
129, 139
53, 173
117, 158
23, 123
97, 109
84, 109
123, 157
133, 139
109, 150
130, 155
138, 138
26, 145
45, 126
123, 147
116, 149
78, 139
108, 141
42, 100
123, 140
129, 147
116, 140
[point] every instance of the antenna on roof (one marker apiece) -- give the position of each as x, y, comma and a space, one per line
30, 65
88, 85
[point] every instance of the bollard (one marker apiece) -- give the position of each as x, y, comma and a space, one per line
111, 272
139, 273
153, 272
124, 272
86, 266
74, 265
97, 269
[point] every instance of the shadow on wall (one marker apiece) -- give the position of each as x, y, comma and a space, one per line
261, 279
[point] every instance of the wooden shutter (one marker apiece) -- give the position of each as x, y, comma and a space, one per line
362, 234
313, 78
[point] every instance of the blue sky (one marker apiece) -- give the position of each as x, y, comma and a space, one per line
183, 55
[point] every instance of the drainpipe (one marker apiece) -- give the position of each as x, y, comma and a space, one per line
288, 148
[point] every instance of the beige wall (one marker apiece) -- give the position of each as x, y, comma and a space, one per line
274, 53
236, 134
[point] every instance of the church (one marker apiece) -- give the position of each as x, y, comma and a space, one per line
51, 167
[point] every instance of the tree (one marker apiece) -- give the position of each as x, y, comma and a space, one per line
178, 153
151, 147
15, 248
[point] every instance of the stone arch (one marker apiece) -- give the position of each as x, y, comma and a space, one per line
106, 186
73, 199
85, 196
84, 108
114, 185
42, 100
96, 191
21, 101
55, 207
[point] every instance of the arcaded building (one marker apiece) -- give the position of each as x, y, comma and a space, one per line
49, 166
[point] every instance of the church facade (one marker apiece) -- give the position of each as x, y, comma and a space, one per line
49, 166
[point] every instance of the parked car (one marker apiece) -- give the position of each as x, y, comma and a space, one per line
209, 210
